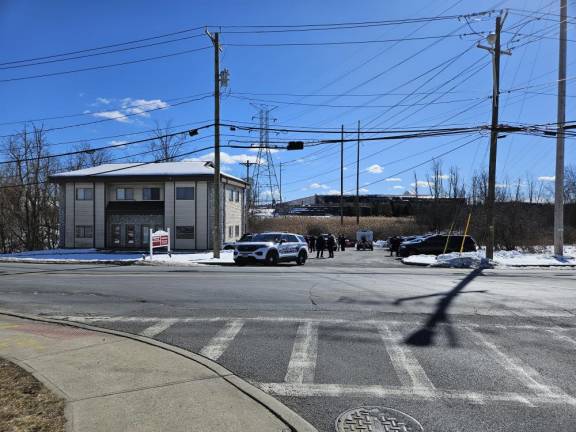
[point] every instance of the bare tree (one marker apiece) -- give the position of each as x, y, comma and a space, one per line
88, 158
415, 185
29, 212
530, 188
570, 184
436, 180
166, 147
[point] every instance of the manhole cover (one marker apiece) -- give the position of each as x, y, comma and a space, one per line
376, 419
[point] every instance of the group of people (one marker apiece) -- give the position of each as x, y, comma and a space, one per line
394, 244
327, 242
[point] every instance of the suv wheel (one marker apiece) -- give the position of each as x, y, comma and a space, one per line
272, 258
301, 260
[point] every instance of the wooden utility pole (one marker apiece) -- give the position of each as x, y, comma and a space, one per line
216, 237
342, 176
280, 186
248, 202
493, 39
559, 180
358, 177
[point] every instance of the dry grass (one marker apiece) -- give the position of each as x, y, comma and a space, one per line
383, 227
26, 405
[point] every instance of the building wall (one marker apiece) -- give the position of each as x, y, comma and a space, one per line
99, 215
196, 213
202, 204
233, 227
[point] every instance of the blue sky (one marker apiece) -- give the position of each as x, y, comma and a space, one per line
378, 74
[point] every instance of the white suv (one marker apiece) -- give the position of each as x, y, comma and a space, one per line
272, 248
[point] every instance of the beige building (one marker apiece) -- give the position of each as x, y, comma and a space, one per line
114, 206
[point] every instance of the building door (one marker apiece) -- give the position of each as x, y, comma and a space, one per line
116, 235
130, 235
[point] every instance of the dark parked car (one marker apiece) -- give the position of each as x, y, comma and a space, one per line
245, 238
434, 245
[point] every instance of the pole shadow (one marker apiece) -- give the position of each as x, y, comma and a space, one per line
425, 335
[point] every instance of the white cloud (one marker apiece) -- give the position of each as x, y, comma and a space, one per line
374, 169
397, 187
364, 190
256, 149
421, 183
317, 186
333, 192
113, 115
128, 107
393, 179
118, 143
547, 178
501, 185
443, 177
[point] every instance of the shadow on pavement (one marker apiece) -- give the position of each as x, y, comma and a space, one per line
425, 335
67, 269
403, 299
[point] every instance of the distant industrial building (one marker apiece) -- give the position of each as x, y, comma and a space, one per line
370, 205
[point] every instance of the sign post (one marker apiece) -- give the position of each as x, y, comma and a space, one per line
159, 239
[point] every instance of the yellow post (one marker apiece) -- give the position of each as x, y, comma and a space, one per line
465, 232
448, 239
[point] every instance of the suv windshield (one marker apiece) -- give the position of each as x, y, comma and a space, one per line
266, 238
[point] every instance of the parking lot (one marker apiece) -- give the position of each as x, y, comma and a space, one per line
455, 349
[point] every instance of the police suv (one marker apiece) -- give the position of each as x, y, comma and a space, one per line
271, 248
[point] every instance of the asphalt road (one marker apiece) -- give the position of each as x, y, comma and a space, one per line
458, 350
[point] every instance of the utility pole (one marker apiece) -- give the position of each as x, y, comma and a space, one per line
249, 194
358, 177
216, 237
280, 185
494, 40
559, 180
342, 176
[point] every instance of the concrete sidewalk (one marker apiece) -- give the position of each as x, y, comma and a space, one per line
116, 382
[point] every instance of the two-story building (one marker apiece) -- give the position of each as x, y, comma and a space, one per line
114, 206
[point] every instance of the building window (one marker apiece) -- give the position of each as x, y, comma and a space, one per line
83, 231
130, 235
237, 196
185, 193
150, 194
116, 230
185, 232
237, 230
84, 194
124, 194
230, 233
145, 235
231, 195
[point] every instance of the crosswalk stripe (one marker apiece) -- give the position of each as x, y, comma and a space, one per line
522, 372
409, 371
378, 391
159, 327
220, 342
304, 352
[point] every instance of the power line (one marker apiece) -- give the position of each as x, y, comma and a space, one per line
29, 77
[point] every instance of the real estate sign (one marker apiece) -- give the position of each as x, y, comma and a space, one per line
159, 239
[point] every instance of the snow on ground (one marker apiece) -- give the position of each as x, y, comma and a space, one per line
71, 256
501, 258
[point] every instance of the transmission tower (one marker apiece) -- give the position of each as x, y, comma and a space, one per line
265, 181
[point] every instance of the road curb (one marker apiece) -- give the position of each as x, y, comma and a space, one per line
293, 420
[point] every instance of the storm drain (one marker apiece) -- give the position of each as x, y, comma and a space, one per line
376, 419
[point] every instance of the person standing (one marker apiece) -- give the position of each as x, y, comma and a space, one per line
331, 245
320, 246
312, 243
342, 241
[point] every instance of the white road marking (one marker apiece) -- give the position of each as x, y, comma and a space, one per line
304, 352
377, 391
522, 372
220, 342
366, 323
409, 371
159, 327
557, 333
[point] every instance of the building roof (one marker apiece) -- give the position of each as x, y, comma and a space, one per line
158, 169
